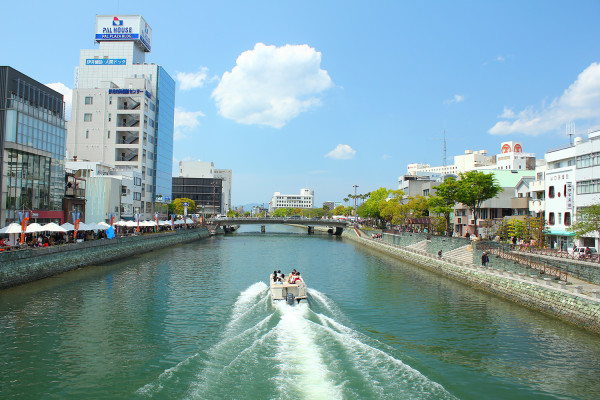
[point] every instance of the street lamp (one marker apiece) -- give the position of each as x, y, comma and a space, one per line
355, 186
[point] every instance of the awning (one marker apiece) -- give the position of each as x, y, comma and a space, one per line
559, 232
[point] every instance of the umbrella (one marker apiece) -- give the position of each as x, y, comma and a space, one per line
103, 225
90, 227
12, 228
165, 223
52, 227
122, 223
68, 226
131, 224
33, 228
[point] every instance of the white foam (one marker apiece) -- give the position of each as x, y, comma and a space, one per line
302, 370
374, 364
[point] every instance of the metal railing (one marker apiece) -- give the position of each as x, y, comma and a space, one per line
507, 252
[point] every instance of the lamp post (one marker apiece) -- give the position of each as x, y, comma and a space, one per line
355, 186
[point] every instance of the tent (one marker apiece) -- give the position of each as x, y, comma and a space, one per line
12, 228
68, 226
33, 228
103, 225
52, 227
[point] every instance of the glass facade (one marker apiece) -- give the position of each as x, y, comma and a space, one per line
163, 145
33, 171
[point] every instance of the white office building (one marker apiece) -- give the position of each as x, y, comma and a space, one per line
304, 200
511, 157
206, 169
108, 190
123, 108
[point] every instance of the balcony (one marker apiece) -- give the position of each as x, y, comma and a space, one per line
128, 120
74, 187
536, 186
519, 202
537, 206
126, 155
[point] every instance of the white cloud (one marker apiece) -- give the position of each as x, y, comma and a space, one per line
500, 58
458, 98
386, 157
185, 121
272, 85
67, 96
342, 152
192, 80
580, 101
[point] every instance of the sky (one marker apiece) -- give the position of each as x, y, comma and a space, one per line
331, 94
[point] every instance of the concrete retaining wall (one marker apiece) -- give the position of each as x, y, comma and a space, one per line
545, 296
24, 266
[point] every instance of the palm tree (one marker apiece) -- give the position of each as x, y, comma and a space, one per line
346, 200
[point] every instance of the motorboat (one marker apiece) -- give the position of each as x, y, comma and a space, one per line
289, 292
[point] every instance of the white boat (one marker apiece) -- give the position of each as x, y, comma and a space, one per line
286, 291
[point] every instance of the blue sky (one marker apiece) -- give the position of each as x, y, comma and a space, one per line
331, 94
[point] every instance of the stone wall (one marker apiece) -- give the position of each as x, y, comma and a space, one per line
560, 301
23, 266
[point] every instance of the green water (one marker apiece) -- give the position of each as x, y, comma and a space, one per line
196, 321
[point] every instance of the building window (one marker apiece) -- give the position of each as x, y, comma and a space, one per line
108, 135
551, 218
89, 100
109, 117
551, 192
87, 117
591, 186
87, 134
567, 219
137, 196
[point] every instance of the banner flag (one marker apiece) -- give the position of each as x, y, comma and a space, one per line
172, 223
76, 220
110, 233
24, 217
137, 218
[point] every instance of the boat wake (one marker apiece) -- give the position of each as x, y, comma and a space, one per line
289, 352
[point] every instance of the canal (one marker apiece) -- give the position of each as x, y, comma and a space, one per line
195, 321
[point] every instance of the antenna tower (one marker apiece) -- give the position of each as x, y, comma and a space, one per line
570, 131
444, 161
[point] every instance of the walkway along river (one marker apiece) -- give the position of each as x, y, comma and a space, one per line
195, 321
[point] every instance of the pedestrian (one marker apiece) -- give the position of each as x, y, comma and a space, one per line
440, 254
485, 259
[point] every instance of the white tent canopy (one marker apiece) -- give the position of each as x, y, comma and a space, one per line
52, 227
33, 228
12, 228
68, 226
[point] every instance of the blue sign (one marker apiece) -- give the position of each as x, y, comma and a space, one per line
185, 204
167, 198
117, 36
125, 91
105, 61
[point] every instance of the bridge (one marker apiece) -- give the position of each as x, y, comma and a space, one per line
336, 226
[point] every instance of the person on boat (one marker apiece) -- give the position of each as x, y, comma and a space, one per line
291, 277
275, 276
280, 275
298, 279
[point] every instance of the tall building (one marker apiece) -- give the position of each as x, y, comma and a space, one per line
206, 193
32, 149
123, 108
206, 170
304, 200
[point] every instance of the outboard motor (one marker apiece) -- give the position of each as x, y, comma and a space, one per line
290, 299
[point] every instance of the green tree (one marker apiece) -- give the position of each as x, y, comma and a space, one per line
176, 206
442, 203
339, 210
587, 221
280, 212
370, 208
246, 213
474, 188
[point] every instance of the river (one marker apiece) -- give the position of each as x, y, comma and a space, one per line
196, 321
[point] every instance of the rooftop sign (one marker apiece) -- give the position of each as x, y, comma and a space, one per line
124, 28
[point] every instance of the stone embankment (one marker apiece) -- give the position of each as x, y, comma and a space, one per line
567, 302
24, 266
